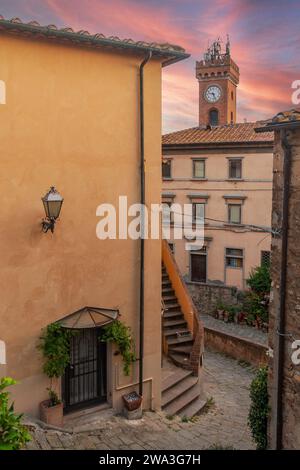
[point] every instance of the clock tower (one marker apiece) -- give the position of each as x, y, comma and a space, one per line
218, 77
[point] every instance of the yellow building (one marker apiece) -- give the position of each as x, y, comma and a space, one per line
224, 169
70, 116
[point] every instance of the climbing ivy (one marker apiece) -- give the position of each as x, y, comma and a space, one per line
55, 346
259, 408
120, 334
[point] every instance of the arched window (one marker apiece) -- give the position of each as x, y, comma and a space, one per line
213, 117
2, 92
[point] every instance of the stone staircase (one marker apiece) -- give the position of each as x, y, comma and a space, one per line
182, 390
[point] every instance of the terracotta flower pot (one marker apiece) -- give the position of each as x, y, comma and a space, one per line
132, 401
220, 314
51, 414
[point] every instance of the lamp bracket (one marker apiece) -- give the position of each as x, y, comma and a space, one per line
48, 224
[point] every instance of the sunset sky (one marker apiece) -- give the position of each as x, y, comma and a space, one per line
265, 38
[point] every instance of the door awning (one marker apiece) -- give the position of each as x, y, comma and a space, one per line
89, 317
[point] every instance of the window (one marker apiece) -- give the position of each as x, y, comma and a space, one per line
214, 117
234, 258
167, 213
234, 213
235, 168
231, 117
265, 258
198, 267
198, 168
232, 95
198, 212
166, 169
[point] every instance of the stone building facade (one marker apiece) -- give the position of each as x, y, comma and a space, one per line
284, 327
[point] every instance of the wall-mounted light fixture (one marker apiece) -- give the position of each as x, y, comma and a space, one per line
52, 204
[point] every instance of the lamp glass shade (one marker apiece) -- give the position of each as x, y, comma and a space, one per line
52, 203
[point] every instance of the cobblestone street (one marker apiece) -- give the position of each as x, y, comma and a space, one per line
222, 424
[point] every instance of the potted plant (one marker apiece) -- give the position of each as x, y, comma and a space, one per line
51, 410
220, 311
55, 346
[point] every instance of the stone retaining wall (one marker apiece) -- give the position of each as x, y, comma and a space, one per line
206, 297
235, 346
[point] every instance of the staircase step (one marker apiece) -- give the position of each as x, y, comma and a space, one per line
174, 323
175, 331
170, 299
193, 408
173, 314
181, 340
168, 291
166, 282
177, 390
173, 306
184, 350
180, 360
174, 379
183, 400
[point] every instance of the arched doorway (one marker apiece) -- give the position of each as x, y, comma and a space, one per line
85, 380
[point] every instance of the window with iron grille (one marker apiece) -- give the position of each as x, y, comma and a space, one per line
234, 213
166, 169
265, 258
199, 169
235, 168
234, 258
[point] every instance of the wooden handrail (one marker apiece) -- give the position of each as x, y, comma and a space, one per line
187, 305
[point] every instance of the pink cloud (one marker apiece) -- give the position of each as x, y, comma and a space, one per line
264, 83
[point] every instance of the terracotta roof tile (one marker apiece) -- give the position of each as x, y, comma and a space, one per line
234, 133
282, 119
171, 52
287, 116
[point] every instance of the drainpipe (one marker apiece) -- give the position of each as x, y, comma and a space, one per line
279, 362
142, 260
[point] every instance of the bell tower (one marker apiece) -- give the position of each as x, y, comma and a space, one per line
218, 77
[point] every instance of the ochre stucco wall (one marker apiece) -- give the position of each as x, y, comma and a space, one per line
71, 120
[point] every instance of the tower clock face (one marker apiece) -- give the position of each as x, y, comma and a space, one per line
213, 94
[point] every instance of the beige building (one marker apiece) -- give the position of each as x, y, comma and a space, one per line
70, 116
224, 169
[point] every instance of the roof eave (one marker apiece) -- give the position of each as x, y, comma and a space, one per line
278, 125
171, 56
199, 145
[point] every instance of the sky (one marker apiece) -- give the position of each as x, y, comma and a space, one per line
264, 34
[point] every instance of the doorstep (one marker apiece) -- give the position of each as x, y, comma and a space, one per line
88, 418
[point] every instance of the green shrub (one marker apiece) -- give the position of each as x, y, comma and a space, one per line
260, 280
256, 307
259, 408
13, 435
120, 334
